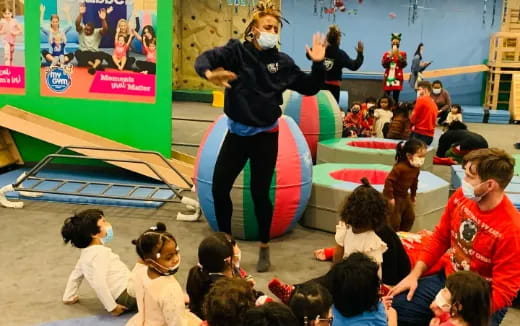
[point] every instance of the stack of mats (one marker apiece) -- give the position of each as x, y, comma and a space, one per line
473, 114
512, 190
478, 114
500, 117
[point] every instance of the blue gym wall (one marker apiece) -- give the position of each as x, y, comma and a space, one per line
452, 31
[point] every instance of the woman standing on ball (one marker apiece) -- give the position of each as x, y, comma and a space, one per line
255, 75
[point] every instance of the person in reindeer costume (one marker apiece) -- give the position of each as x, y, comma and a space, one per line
394, 61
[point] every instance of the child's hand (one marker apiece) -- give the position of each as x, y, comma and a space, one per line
73, 301
118, 310
109, 10
42, 8
387, 301
360, 46
392, 201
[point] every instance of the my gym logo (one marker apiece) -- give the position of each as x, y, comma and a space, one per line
58, 79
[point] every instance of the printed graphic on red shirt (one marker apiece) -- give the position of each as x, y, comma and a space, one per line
460, 255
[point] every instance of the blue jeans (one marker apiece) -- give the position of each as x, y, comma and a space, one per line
417, 312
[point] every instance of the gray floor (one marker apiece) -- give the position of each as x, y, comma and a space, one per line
35, 263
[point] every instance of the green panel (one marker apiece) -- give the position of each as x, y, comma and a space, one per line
326, 117
250, 223
144, 126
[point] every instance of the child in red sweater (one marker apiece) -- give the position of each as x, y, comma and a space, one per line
424, 114
353, 124
404, 177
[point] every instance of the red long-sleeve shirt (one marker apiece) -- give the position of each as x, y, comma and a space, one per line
487, 243
424, 116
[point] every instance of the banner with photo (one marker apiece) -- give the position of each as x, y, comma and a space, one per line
12, 61
99, 49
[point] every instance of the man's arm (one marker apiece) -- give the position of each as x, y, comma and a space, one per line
82, 10
103, 16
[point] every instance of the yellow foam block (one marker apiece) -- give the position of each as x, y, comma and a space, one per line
218, 99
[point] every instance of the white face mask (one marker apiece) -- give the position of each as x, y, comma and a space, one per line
267, 40
417, 161
441, 302
437, 91
469, 191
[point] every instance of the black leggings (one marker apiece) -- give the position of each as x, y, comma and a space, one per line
395, 95
262, 151
83, 57
145, 65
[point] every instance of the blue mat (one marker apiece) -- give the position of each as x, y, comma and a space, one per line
512, 189
477, 114
123, 178
103, 320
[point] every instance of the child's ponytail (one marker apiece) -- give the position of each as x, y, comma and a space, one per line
411, 147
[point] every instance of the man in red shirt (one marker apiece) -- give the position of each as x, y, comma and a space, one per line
424, 114
480, 231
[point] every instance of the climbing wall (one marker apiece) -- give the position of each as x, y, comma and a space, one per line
199, 26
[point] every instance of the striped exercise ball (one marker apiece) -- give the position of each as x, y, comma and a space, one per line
318, 116
290, 187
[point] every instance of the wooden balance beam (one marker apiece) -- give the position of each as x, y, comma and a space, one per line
429, 74
63, 135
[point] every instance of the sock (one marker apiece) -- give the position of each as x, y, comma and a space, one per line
281, 290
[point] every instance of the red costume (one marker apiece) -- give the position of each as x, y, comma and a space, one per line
394, 64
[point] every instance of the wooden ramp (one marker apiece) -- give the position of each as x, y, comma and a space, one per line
63, 135
514, 100
8, 151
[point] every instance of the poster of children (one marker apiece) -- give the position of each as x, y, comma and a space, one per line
12, 60
99, 49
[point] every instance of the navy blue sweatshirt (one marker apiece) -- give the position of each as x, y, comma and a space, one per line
255, 97
336, 59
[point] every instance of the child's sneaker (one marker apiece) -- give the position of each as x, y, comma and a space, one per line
281, 290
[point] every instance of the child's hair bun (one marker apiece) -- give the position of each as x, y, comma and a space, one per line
365, 182
134, 242
160, 227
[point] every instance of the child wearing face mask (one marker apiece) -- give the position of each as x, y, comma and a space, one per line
160, 298
404, 177
104, 270
465, 300
353, 122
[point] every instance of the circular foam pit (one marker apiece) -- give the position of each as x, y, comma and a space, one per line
329, 192
354, 175
368, 150
318, 116
290, 188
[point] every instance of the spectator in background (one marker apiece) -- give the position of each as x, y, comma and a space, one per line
418, 67
443, 100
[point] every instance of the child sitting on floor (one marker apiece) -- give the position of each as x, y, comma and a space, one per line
356, 294
400, 126
104, 270
454, 115
464, 301
159, 296
383, 114
353, 122
311, 304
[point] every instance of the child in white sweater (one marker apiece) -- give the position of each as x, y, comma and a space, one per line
160, 298
103, 270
